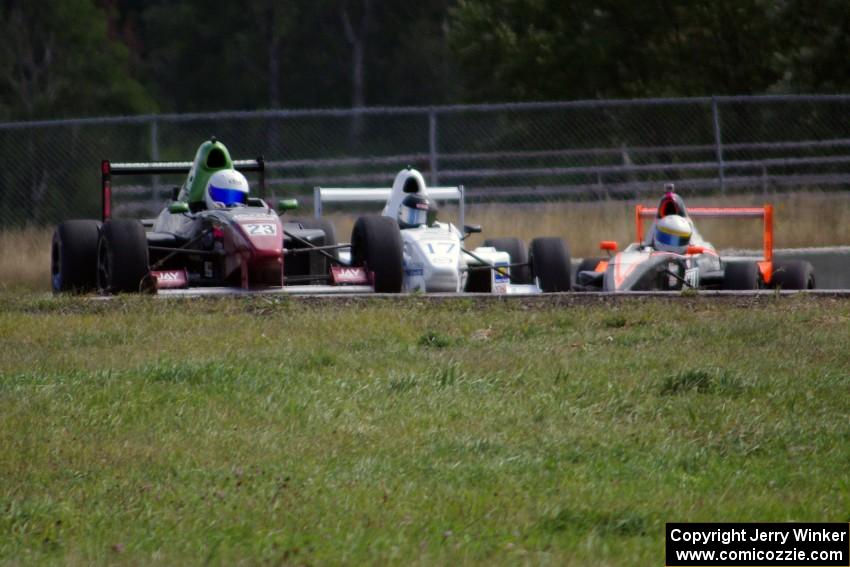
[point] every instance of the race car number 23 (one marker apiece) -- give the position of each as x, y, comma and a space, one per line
264, 229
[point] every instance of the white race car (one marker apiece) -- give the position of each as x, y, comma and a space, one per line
435, 259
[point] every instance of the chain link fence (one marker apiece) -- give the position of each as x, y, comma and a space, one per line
521, 152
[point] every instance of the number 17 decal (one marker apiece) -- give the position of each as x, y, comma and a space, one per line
441, 247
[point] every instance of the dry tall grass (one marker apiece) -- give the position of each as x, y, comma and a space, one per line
25, 258
800, 219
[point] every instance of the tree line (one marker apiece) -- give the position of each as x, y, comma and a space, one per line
68, 58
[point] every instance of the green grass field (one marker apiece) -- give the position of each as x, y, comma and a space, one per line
412, 431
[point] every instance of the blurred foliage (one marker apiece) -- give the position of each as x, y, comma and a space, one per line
548, 49
98, 57
198, 55
57, 59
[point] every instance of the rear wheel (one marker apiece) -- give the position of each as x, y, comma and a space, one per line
73, 256
376, 244
519, 255
741, 276
325, 226
122, 256
793, 274
550, 264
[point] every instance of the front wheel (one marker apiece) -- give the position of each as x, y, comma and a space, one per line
122, 256
376, 244
550, 264
741, 276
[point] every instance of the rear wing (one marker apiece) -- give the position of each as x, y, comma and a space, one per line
381, 195
765, 213
108, 169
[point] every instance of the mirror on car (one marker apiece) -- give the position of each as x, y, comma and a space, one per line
472, 228
609, 245
287, 205
178, 207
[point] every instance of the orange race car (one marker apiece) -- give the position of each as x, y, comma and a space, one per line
672, 255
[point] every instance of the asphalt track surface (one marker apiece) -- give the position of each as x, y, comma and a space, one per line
540, 299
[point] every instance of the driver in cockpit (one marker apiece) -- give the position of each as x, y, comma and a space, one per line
673, 230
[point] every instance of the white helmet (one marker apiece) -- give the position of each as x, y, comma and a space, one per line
226, 188
415, 210
672, 234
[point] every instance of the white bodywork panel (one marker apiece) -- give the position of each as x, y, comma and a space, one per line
434, 261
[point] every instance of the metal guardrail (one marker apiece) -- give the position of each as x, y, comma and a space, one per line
513, 151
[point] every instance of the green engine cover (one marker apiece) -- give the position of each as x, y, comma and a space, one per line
211, 156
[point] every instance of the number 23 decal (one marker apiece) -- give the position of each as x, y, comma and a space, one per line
265, 229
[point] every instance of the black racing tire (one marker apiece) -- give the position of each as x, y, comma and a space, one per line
519, 255
550, 264
793, 274
376, 244
741, 276
122, 256
325, 226
73, 256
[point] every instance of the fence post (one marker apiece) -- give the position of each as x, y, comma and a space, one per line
317, 202
432, 146
718, 143
462, 194
154, 157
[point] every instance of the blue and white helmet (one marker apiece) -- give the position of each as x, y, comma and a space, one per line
226, 188
415, 211
672, 234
